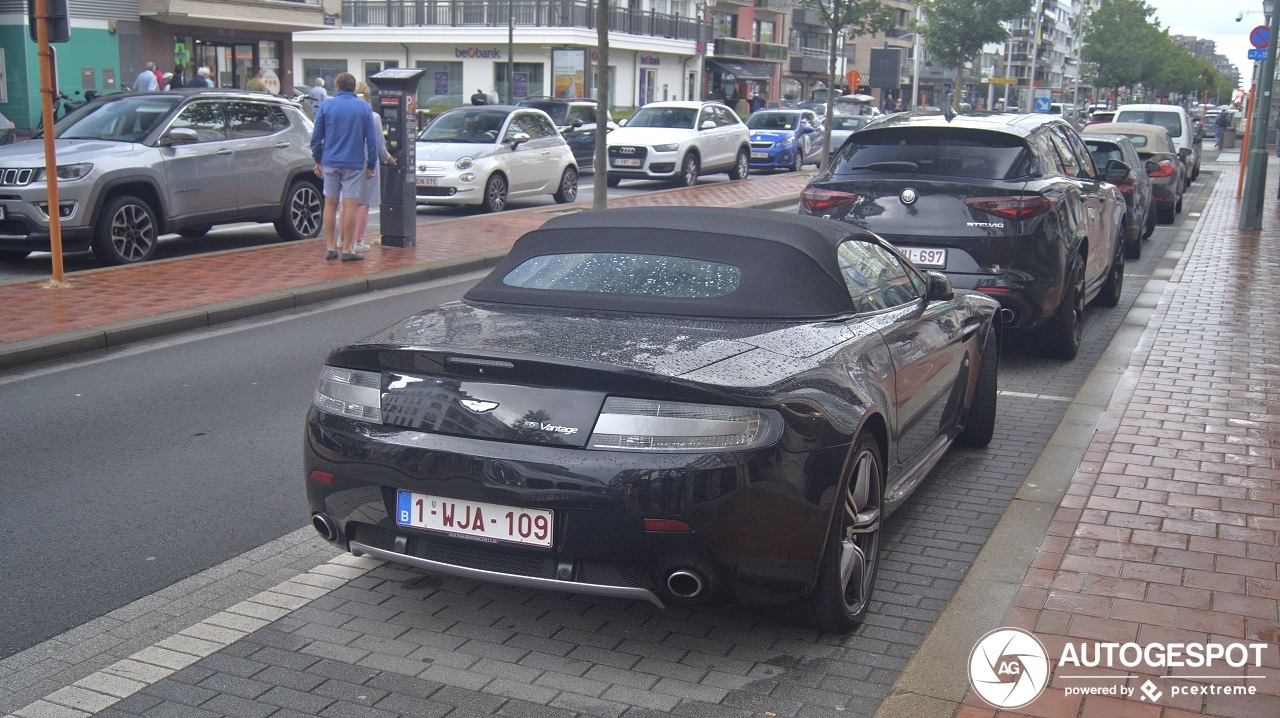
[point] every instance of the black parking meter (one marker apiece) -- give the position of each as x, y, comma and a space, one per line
397, 106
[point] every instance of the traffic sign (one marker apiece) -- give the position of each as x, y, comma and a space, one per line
1258, 53
1260, 36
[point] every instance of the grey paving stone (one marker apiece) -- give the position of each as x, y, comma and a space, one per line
405, 685
171, 709
295, 700
352, 710
289, 678
343, 671
236, 707
522, 709
171, 690
471, 700
413, 706
588, 706
235, 685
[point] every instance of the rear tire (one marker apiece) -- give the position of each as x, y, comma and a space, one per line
1165, 215
303, 213
127, 231
980, 424
568, 190
1065, 331
1114, 287
1177, 208
852, 556
799, 161
1150, 229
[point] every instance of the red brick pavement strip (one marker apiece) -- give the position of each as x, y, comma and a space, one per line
102, 297
1168, 532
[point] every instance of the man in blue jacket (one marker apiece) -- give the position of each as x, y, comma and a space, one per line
344, 146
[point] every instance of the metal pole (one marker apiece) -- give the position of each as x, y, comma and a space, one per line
1008, 60
511, 48
1256, 168
47, 81
915, 63
1035, 53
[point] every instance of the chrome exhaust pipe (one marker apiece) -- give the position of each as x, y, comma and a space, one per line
324, 526
1008, 316
685, 584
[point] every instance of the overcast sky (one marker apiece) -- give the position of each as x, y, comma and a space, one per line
1215, 21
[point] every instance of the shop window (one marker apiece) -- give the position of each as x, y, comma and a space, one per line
327, 69
440, 87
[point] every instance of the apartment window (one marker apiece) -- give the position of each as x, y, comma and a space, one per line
724, 24
764, 31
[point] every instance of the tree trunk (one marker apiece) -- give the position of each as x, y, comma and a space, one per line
600, 177
831, 98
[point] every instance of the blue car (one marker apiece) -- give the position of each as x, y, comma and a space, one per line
782, 139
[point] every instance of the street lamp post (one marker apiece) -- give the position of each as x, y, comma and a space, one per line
915, 63
1255, 177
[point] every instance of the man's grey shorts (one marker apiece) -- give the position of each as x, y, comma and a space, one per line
342, 181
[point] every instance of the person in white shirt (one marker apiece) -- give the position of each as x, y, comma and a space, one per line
147, 81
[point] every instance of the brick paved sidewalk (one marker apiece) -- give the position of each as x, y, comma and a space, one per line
1168, 531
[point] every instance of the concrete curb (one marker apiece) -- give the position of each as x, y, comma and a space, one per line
935, 681
37, 350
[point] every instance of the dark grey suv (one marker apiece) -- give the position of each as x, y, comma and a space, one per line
1010, 205
137, 165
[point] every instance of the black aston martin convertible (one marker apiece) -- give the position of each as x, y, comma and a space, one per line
678, 405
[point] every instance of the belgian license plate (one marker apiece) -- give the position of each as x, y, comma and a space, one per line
626, 163
921, 257
475, 519
426, 181
759, 155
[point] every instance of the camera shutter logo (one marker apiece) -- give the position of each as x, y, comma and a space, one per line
1009, 668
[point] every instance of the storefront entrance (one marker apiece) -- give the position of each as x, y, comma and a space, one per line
231, 64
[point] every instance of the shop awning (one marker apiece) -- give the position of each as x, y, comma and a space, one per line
742, 69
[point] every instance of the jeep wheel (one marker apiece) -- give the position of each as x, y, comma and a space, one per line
303, 213
741, 166
689, 168
126, 231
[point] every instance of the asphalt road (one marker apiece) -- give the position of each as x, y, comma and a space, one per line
129, 471
39, 265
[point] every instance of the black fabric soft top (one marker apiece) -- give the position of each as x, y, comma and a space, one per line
788, 262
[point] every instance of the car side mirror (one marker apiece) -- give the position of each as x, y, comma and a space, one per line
708, 125
622, 122
180, 136
939, 287
1117, 171
518, 139
577, 124
1184, 153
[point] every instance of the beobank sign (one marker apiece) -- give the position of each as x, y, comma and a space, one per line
491, 53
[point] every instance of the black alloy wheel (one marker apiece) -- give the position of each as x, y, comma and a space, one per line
303, 213
1065, 331
980, 424
127, 231
1114, 286
741, 166
689, 168
847, 576
495, 194
568, 190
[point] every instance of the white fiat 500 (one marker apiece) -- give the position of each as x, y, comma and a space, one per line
488, 155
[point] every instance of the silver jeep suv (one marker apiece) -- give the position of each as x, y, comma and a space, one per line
137, 165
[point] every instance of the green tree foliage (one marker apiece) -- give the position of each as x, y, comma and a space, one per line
848, 18
1124, 44
956, 30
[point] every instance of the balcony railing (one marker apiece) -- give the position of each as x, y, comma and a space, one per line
769, 51
774, 5
733, 47
527, 13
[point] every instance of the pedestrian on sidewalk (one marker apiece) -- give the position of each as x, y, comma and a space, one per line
371, 187
344, 146
179, 79
256, 83
146, 80
1219, 127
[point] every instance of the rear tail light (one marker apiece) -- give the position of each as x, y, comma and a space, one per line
1015, 207
821, 201
1126, 186
1163, 169
645, 425
350, 393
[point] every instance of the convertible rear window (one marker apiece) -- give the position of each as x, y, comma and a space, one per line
1138, 140
947, 152
618, 273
